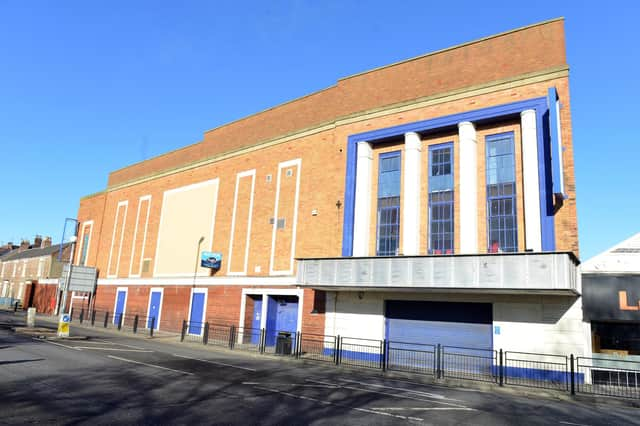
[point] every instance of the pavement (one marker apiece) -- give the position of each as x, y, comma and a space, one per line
105, 377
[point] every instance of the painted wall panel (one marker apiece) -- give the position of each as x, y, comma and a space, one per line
241, 224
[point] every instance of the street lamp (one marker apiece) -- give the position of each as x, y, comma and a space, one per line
72, 240
195, 268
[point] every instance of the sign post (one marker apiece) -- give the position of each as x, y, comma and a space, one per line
63, 325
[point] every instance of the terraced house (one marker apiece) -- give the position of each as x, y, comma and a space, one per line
430, 200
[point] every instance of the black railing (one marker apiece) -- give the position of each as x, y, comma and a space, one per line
411, 357
536, 370
318, 347
608, 377
469, 363
357, 352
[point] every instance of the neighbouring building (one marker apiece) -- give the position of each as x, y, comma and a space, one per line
611, 292
29, 274
431, 200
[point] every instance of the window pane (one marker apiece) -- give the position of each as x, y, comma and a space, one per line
502, 232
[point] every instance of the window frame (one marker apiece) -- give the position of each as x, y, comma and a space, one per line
501, 198
390, 228
435, 204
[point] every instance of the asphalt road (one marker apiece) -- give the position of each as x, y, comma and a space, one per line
111, 378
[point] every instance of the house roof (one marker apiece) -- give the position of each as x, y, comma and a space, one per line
623, 257
34, 252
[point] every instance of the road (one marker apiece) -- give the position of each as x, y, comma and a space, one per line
111, 378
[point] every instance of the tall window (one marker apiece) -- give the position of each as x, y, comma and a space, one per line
502, 226
441, 199
388, 204
85, 247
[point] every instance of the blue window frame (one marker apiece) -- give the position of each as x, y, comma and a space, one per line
441, 234
502, 224
388, 231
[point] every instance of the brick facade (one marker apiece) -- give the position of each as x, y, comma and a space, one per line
518, 65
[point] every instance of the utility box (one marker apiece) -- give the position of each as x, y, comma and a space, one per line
31, 317
283, 343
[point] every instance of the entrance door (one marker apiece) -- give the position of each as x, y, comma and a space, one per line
282, 315
256, 319
121, 300
155, 301
196, 317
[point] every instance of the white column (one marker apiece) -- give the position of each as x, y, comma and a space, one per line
362, 208
411, 195
533, 233
468, 188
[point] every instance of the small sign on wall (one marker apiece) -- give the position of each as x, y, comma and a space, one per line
211, 260
496, 329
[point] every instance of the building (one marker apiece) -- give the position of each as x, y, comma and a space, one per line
430, 200
30, 273
611, 283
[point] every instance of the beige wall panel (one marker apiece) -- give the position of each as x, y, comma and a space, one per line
188, 213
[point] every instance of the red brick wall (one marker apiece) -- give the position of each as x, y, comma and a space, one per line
515, 53
41, 296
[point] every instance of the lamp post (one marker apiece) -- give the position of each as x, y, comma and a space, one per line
195, 268
62, 301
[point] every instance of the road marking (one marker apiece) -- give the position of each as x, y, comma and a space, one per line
293, 384
121, 344
423, 408
149, 365
216, 363
113, 349
395, 395
575, 424
365, 410
57, 344
427, 394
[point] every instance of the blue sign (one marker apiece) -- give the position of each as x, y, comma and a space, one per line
211, 260
65, 318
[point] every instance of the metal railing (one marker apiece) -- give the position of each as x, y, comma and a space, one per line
469, 363
607, 377
357, 352
411, 357
536, 370
318, 347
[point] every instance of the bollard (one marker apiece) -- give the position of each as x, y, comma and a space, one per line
501, 370
573, 376
106, 319
205, 334
81, 315
71, 315
93, 318
232, 334
153, 325
31, 317
15, 307
263, 340
135, 324
184, 330
120, 321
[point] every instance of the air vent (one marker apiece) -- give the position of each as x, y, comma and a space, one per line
289, 172
268, 178
145, 265
281, 223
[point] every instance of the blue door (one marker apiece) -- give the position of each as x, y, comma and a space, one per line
197, 311
154, 309
121, 298
256, 320
282, 315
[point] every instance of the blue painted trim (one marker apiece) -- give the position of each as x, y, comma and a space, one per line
547, 222
556, 149
541, 375
375, 136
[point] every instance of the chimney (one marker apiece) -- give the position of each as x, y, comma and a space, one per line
24, 245
46, 242
37, 241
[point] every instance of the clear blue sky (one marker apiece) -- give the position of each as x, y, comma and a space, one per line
87, 87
